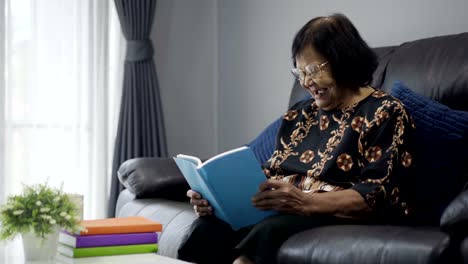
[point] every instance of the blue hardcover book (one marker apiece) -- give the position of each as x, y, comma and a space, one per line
228, 181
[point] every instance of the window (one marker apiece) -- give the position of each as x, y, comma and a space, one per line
60, 96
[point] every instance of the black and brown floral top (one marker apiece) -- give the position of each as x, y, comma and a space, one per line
365, 147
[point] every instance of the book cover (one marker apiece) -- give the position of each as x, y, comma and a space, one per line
228, 181
77, 241
105, 251
121, 225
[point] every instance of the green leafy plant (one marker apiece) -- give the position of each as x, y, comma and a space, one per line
40, 210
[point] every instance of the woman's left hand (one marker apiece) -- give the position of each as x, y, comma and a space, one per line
282, 197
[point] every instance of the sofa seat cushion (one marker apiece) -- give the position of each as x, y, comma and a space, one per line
176, 218
364, 244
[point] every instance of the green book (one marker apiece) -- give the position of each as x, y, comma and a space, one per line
106, 251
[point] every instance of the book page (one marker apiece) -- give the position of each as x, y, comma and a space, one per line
192, 159
229, 152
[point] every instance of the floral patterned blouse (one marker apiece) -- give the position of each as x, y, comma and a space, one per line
365, 147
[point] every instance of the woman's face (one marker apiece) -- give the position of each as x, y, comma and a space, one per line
322, 87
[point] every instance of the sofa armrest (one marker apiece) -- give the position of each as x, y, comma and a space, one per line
454, 220
153, 178
464, 250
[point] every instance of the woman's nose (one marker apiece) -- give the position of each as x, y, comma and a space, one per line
307, 82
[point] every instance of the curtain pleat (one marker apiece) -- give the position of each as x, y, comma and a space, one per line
140, 132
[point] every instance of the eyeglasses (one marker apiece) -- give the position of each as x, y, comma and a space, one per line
311, 70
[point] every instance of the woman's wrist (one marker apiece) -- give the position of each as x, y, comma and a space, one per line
345, 203
311, 204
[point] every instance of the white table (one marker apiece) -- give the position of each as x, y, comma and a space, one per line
12, 253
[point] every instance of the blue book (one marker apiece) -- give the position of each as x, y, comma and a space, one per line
228, 181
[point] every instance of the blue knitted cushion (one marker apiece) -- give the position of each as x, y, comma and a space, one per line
264, 144
441, 152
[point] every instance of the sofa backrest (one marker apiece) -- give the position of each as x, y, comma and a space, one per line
435, 67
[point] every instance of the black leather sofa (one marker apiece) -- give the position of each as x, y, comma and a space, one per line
434, 67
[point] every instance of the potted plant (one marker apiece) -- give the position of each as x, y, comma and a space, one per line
38, 215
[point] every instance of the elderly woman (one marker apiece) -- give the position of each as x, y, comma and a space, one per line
344, 156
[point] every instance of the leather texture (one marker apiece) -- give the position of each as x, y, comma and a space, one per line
153, 178
176, 218
464, 251
434, 67
454, 220
361, 244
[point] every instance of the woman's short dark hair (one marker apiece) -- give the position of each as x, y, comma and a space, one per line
351, 60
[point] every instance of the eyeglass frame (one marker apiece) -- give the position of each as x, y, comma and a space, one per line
300, 75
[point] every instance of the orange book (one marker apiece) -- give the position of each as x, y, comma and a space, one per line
121, 225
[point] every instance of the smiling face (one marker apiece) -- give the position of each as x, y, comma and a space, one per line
323, 87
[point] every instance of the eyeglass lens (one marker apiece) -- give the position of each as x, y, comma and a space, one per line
311, 70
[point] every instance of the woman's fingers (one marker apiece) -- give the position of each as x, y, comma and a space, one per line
265, 204
200, 206
270, 191
276, 204
203, 210
199, 202
196, 199
278, 196
271, 185
193, 194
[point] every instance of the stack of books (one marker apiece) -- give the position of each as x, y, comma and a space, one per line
111, 236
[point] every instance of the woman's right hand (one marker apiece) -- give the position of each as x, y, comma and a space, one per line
200, 205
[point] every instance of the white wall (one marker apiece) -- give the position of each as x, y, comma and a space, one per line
185, 39
224, 65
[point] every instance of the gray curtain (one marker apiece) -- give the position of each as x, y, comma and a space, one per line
140, 132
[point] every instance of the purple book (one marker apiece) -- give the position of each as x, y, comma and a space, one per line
78, 241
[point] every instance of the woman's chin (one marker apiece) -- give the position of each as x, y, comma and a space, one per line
323, 104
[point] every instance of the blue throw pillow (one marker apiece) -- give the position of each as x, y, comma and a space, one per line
264, 144
441, 152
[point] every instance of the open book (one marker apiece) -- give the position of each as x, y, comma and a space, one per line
228, 181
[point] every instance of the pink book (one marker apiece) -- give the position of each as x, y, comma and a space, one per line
77, 241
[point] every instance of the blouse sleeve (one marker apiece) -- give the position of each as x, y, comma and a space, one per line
386, 159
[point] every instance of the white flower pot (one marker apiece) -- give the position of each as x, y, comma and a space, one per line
37, 249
